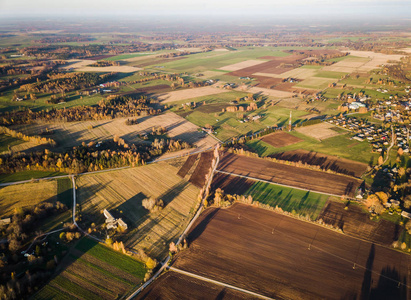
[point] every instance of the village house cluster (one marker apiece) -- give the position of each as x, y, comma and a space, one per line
380, 137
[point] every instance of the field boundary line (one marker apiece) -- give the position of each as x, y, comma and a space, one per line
218, 283
285, 185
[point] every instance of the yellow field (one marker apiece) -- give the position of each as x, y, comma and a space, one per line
189, 94
363, 61
242, 65
26, 195
71, 134
76, 63
122, 192
319, 131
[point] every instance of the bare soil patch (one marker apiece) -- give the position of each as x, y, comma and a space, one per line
292, 176
276, 65
188, 164
202, 169
175, 286
268, 253
320, 131
231, 184
280, 139
354, 221
326, 162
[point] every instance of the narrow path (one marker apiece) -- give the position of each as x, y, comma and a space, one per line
219, 283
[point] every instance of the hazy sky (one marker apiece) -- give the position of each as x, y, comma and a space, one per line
366, 8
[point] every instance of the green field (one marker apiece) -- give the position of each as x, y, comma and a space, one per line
27, 175
7, 141
125, 56
214, 60
341, 146
288, 199
228, 125
119, 274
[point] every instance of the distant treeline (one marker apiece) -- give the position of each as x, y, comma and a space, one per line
109, 108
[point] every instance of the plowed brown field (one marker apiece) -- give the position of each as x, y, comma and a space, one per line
280, 139
328, 162
175, 286
292, 176
296, 260
354, 221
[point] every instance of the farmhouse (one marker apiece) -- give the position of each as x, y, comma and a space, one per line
113, 222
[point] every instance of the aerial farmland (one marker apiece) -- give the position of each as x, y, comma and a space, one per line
198, 159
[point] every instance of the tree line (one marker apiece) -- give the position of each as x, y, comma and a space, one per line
111, 107
91, 157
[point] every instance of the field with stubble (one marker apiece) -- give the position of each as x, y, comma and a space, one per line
17, 196
70, 134
122, 192
285, 258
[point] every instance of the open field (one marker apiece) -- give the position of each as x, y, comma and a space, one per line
361, 61
120, 69
7, 141
232, 185
242, 65
175, 286
315, 83
71, 134
228, 125
289, 175
17, 196
275, 65
27, 175
300, 73
320, 131
122, 192
189, 94
286, 258
269, 92
77, 63
280, 139
202, 169
288, 199
327, 162
356, 222
340, 146
93, 271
